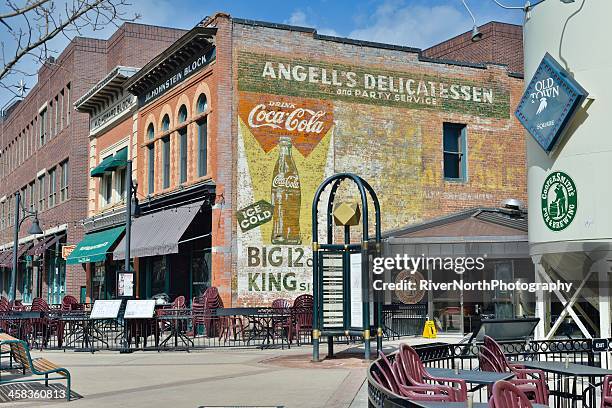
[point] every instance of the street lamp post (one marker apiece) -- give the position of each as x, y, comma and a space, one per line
34, 230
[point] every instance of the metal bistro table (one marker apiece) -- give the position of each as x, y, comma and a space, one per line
476, 377
176, 320
574, 371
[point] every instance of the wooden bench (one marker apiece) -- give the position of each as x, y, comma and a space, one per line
20, 353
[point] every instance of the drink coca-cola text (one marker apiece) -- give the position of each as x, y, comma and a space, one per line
298, 119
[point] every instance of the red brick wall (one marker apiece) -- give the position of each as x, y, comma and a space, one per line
82, 64
501, 43
397, 149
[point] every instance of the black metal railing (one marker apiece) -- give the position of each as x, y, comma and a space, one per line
186, 328
465, 357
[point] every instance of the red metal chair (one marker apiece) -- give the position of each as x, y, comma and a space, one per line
412, 372
536, 378
529, 386
284, 325
202, 312
302, 309
386, 374
507, 395
606, 392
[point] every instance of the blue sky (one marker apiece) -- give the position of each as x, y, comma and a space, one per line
414, 23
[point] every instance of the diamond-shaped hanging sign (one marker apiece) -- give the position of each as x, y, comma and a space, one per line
347, 213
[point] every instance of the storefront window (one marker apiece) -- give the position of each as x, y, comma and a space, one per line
26, 283
98, 281
200, 272
56, 280
159, 272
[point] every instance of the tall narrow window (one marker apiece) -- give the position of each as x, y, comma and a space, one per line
150, 132
41, 193
183, 154
151, 175
68, 109
43, 126
120, 182
454, 146
182, 114
64, 181
166, 162
202, 103
165, 123
202, 143
61, 103
52, 189
151, 160
106, 185
50, 118
56, 115
31, 196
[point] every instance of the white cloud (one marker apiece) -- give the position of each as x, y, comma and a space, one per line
412, 25
299, 18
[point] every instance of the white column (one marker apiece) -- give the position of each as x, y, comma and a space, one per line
541, 300
605, 290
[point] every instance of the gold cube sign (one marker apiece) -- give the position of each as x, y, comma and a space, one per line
347, 213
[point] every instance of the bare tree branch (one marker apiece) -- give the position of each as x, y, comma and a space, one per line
32, 24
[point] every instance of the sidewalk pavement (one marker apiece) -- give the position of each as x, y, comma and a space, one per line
216, 377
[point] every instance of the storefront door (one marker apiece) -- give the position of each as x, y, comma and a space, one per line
56, 278
200, 272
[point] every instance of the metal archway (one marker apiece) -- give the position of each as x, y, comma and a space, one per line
364, 248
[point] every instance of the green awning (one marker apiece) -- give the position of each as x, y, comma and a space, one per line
119, 160
102, 167
94, 247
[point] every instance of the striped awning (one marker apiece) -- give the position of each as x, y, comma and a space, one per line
7, 262
158, 233
43, 245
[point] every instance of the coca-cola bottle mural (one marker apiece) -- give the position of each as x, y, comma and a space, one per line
286, 197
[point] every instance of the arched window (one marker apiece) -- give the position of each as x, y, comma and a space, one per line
165, 123
150, 131
202, 103
182, 114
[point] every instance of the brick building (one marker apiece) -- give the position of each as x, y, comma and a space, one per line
44, 155
238, 122
501, 43
283, 108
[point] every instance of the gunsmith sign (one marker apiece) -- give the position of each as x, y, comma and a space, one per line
549, 102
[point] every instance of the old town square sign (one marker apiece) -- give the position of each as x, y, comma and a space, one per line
549, 102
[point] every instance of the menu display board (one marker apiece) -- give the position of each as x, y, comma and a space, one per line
105, 309
333, 291
139, 309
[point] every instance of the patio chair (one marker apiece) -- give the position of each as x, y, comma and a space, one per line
412, 372
203, 312
495, 352
606, 392
70, 303
302, 308
386, 375
507, 395
283, 324
531, 387
43, 326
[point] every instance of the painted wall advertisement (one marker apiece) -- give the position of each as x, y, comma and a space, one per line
302, 121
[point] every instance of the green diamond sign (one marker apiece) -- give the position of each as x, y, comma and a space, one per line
559, 200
